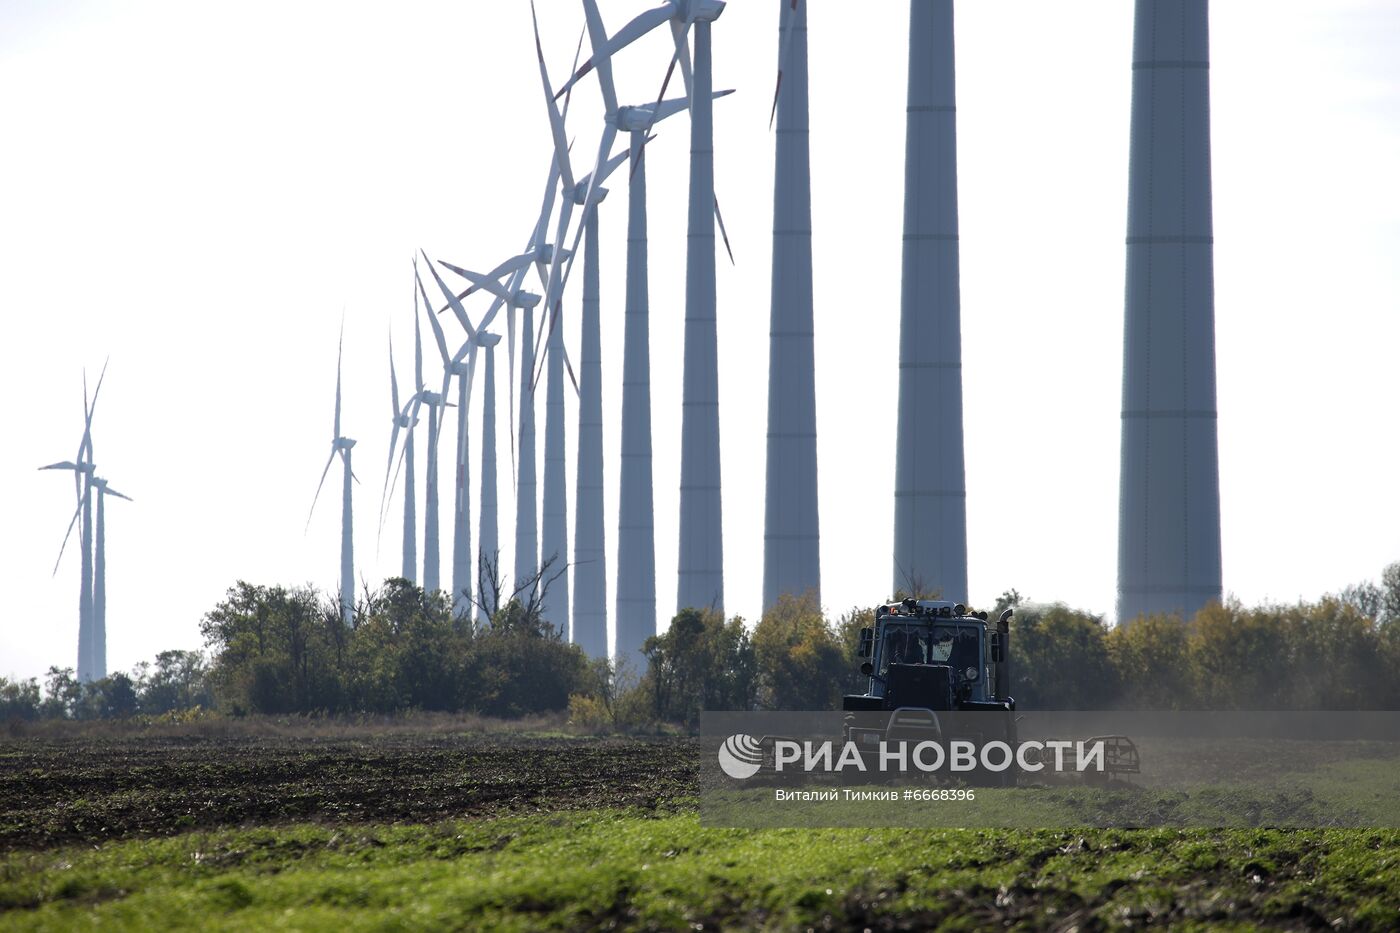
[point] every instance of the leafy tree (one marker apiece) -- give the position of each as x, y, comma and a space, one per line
801, 663
1152, 659
177, 681
19, 699
1060, 659
700, 662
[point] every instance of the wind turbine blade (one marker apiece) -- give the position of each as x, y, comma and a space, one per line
546, 208
490, 314
578, 50
640, 25
437, 328
64, 465
109, 491
388, 469
478, 280
556, 121
417, 333
655, 109
340, 347
457, 308
680, 35
720, 217
602, 58
71, 522
412, 411
569, 367
92, 408
393, 377
791, 18
318, 487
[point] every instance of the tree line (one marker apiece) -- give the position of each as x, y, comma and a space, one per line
278, 650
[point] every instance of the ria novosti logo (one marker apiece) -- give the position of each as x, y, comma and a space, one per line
740, 756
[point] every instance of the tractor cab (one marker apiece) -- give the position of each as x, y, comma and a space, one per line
933, 655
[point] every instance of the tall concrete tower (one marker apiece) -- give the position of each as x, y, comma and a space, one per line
636, 534
930, 499
700, 581
527, 538
488, 537
590, 557
554, 516
1169, 486
791, 535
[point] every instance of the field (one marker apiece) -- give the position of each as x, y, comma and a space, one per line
405, 829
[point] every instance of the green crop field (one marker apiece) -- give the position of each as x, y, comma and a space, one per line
404, 831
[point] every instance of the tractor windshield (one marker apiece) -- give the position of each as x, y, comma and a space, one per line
924, 646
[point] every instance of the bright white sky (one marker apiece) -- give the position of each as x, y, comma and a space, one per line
198, 191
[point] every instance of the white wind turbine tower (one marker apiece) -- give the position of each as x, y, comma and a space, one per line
341, 445
462, 364
701, 570
930, 499
511, 297
488, 540
637, 561
1169, 482
404, 421
92, 662
435, 402
99, 579
554, 530
462, 369
791, 535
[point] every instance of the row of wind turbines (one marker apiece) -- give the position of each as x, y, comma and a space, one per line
1169, 541
569, 213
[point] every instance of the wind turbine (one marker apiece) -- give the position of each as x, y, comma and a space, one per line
341, 445
92, 663
930, 499
435, 402
404, 421
554, 531
701, 574
791, 535
462, 369
99, 582
1169, 485
637, 566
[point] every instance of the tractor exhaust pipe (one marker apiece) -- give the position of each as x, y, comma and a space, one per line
1003, 655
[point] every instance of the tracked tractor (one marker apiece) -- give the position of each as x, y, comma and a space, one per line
937, 671
940, 672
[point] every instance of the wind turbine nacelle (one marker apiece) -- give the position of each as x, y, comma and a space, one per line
702, 11
344, 443
487, 340
581, 192
633, 119
403, 421
432, 398
525, 300
459, 368
545, 252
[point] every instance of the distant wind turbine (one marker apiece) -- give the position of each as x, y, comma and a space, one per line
92, 662
341, 445
404, 421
